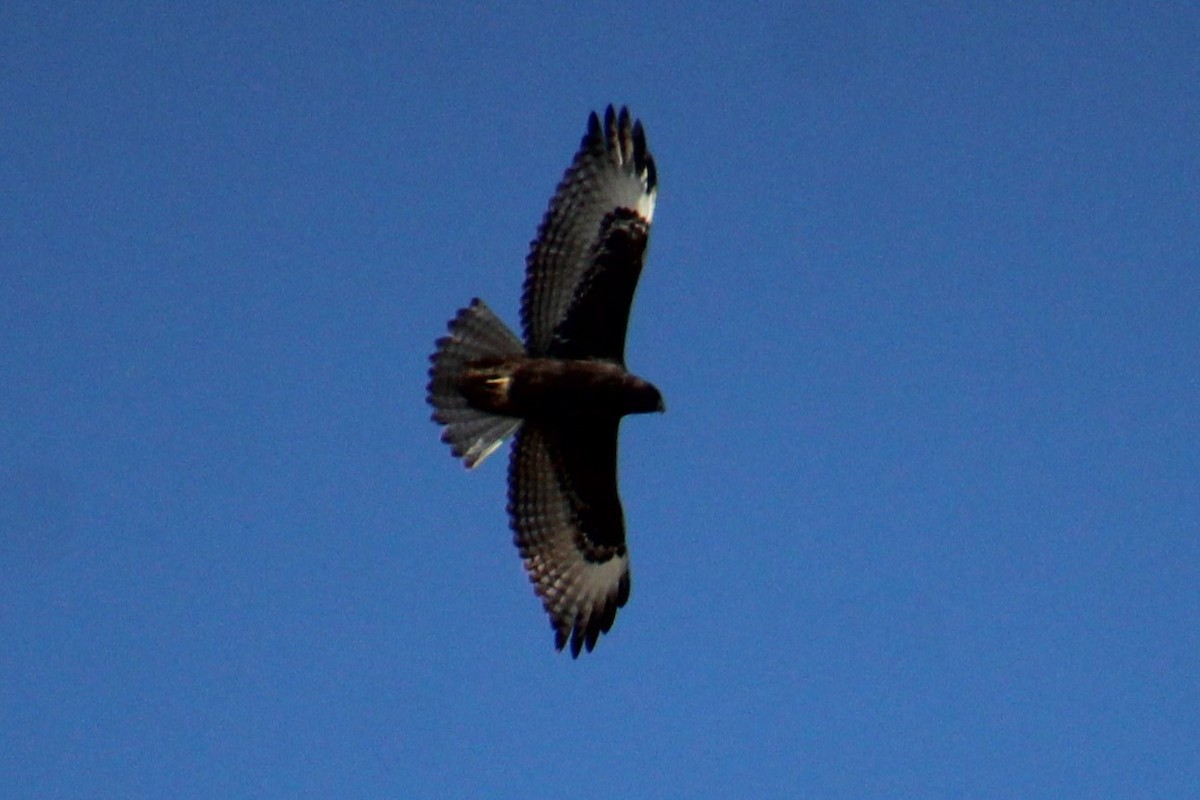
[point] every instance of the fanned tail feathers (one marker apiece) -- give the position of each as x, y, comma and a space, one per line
475, 333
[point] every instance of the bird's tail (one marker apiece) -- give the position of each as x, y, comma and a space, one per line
475, 333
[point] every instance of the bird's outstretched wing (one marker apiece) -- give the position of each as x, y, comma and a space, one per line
569, 526
584, 264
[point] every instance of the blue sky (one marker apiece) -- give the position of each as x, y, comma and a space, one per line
922, 296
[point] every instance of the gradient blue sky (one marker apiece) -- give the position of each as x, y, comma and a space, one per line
922, 519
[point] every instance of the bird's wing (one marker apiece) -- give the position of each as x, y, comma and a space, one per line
584, 264
568, 524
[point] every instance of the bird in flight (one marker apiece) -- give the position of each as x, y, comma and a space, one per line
563, 391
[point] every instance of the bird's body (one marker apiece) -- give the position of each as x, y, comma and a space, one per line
563, 391
557, 390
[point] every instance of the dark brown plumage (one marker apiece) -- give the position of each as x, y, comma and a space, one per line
564, 390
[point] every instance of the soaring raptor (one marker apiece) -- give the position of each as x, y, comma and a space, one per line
564, 390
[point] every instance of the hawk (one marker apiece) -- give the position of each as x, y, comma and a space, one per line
561, 393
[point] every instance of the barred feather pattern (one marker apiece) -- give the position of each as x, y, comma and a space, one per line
569, 528
475, 333
612, 170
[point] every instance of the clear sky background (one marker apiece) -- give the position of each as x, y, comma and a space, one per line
922, 518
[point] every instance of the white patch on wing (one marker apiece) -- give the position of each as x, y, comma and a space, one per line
600, 582
645, 204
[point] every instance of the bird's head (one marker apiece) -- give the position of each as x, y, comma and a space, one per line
646, 399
